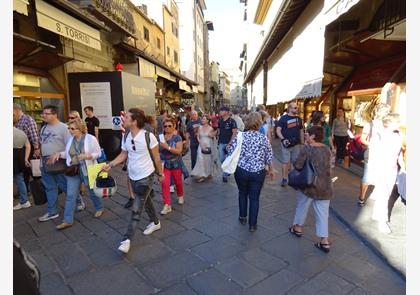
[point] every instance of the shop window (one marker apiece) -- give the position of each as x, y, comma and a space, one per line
158, 43
146, 34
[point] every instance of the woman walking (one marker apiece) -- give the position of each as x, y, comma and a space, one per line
319, 195
256, 154
340, 130
318, 119
204, 167
82, 149
171, 153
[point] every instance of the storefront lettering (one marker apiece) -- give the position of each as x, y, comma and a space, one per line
72, 33
140, 91
119, 11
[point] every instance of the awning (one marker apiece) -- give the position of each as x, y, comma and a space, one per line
183, 85
164, 74
21, 6
373, 76
294, 49
37, 54
59, 22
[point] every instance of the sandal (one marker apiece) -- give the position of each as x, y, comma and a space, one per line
296, 233
361, 203
324, 247
201, 179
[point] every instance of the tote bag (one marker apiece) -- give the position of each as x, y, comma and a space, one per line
304, 178
230, 163
36, 167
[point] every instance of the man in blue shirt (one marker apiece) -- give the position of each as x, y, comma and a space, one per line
226, 133
290, 131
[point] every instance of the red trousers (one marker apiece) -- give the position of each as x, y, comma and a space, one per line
177, 174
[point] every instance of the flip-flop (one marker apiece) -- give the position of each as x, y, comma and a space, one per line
296, 233
323, 247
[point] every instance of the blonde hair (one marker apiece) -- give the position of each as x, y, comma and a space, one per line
253, 121
79, 124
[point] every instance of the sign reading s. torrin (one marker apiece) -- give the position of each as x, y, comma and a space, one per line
56, 21
119, 11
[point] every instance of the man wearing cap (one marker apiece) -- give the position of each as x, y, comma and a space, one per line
226, 133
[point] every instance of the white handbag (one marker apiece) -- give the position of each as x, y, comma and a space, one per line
230, 163
36, 167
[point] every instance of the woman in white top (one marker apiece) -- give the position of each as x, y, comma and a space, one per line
340, 129
82, 149
204, 167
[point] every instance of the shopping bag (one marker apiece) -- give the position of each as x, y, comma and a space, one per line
231, 161
36, 167
92, 171
38, 191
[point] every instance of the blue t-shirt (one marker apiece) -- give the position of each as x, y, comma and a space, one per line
226, 128
290, 128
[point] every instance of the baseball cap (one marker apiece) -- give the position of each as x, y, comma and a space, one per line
225, 108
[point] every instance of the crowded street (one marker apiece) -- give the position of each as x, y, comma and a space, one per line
203, 249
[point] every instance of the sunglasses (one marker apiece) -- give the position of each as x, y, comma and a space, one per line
72, 118
134, 146
73, 128
167, 126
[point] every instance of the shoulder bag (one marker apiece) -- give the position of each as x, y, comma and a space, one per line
231, 162
306, 177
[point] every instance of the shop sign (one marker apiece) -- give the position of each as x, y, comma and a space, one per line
56, 21
98, 95
21, 6
119, 11
116, 123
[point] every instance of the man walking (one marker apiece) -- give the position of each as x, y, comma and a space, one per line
192, 129
92, 123
290, 131
142, 150
28, 125
226, 133
239, 123
53, 138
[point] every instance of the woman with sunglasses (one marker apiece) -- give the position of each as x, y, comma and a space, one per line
171, 153
74, 115
82, 149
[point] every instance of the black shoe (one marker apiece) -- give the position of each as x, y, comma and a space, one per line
242, 220
129, 203
225, 179
284, 182
252, 228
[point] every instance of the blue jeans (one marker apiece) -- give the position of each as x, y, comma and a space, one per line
222, 155
20, 183
249, 185
73, 186
51, 182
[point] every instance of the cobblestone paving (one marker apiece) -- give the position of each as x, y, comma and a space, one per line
201, 249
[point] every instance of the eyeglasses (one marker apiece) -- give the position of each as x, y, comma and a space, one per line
134, 146
295, 108
167, 126
73, 128
72, 118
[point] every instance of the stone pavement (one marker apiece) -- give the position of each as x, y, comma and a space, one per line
391, 248
201, 249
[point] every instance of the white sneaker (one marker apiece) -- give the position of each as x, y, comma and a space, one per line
47, 217
384, 228
181, 200
172, 189
22, 206
166, 209
151, 228
125, 246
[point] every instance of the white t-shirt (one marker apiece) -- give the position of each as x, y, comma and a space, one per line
140, 165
